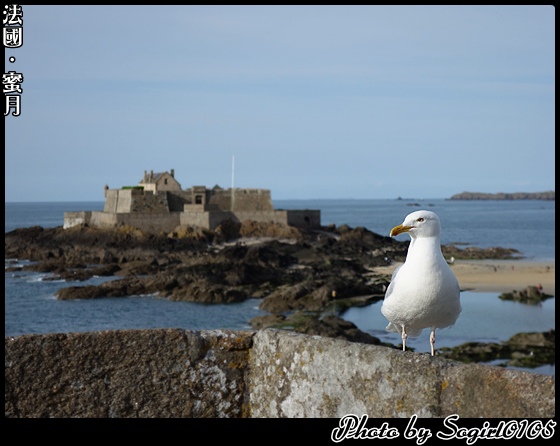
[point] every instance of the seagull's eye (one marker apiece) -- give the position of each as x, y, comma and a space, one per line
420, 219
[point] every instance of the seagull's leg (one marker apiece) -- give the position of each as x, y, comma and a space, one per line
404, 336
433, 340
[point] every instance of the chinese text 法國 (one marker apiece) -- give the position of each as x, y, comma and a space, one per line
13, 38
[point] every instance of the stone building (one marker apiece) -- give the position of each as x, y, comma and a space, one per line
158, 203
162, 181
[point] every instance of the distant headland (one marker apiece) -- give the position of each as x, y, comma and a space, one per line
547, 195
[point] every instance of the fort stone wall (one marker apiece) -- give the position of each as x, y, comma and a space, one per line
148, 202
76, 218
118, 200
111, 200
261, 217
198, 206
243, 199
151, 222
168, 221
103, 219
212, 219
305, 218
176, 200
216, 218
299, 219
123, 201
195, 218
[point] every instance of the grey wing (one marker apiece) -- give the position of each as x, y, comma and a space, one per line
392, 284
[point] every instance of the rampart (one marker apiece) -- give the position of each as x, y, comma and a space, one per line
241, 200
306, 219
123, 201
137, 200
268, 373
147, 221
168, 221
198, 206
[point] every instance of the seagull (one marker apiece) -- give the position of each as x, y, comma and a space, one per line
424, 292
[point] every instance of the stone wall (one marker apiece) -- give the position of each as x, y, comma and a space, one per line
117, 200
304, 218
149, 203
160, 211
124, 201
76, 218
177, 200
102, 219
150, 222
262, 216
211, 219
168, 221
244, 200
269, 373
156, 223
195, 218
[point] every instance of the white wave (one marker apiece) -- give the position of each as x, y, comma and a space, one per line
33, 279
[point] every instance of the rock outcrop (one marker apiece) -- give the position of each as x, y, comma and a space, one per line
311, 323
528, 350
295, 271
531, 295
237, 374
290, 268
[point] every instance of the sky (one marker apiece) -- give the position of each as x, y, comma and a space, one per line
359, 102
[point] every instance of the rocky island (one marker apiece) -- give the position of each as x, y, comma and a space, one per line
547, 195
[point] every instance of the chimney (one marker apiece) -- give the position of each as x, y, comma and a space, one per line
173, 173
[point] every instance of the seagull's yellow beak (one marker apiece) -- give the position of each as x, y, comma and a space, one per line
399, 230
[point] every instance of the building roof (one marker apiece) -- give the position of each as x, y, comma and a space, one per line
156, 176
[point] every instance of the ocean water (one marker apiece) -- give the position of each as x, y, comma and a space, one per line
31, 307
525, 225
528, 226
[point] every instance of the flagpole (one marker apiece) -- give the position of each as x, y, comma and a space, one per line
232, 179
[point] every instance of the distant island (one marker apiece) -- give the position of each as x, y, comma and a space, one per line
548, 195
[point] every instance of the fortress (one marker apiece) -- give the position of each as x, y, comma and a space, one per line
159, 204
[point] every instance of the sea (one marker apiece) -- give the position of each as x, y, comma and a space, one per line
525, 225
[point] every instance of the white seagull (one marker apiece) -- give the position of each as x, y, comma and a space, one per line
423, 292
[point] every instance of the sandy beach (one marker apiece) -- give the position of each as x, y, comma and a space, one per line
498, 275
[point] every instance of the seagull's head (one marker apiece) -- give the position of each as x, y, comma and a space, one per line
419, 224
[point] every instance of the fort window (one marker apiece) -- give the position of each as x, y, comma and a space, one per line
165, 181
198, 199
307, 220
